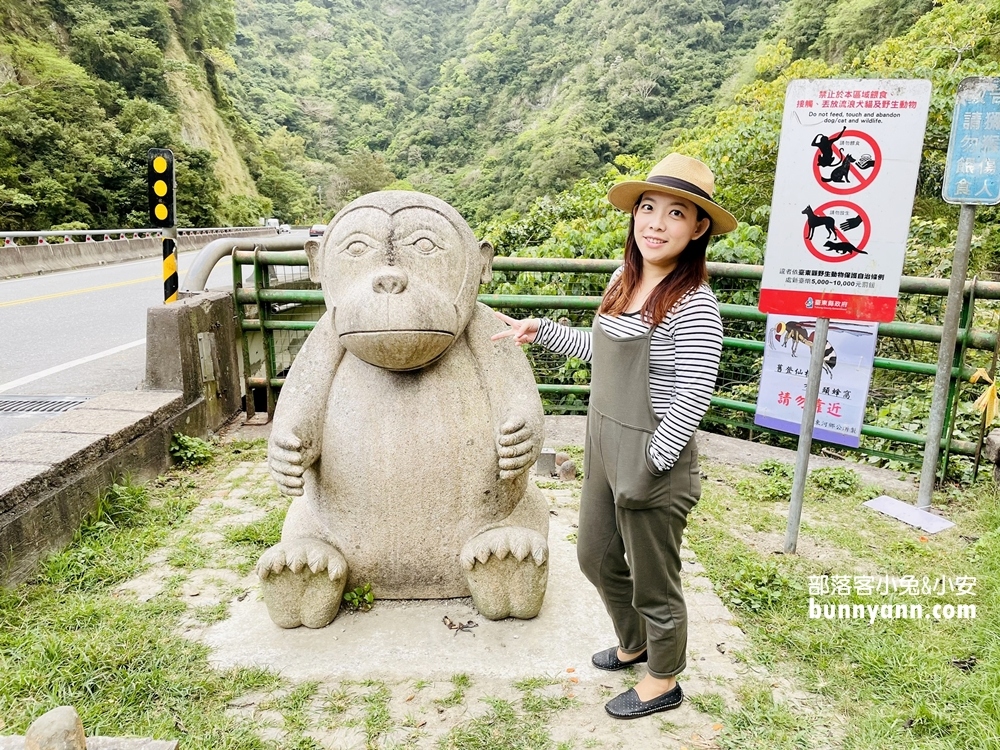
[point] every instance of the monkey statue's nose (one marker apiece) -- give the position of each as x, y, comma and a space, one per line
390, 281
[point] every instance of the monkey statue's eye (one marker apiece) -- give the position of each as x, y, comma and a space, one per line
356, 248
425, 245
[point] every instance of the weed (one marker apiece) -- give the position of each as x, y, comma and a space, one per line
377, 719
774, 468
189, 554
419, 685
837, 480
360, 599
533, 703
260, 534
212, 613
461, 683
337, 702
501, 727
770, 488
757, 587
760, 722
190, 451
708, 703
571, 537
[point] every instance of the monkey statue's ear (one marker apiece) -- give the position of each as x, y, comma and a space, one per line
315, 269
486, 260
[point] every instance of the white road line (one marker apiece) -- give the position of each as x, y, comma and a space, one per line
59, 368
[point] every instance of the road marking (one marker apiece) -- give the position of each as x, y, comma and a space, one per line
71, 292
67, 365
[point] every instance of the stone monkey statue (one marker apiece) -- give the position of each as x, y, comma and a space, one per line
403, 433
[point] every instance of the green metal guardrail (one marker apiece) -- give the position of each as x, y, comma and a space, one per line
292, 304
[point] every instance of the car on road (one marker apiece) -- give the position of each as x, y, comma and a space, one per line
317, 230
284, 229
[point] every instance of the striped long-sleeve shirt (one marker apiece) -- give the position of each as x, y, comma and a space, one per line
684, 357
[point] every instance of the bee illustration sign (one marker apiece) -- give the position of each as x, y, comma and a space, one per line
848, 356
848, 159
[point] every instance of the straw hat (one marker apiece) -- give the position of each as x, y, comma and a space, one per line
678, 175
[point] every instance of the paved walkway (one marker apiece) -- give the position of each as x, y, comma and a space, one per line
405, 648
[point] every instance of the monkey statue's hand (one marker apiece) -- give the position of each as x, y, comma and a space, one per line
287, 458
517, 446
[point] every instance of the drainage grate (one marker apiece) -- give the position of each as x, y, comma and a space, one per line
39, 404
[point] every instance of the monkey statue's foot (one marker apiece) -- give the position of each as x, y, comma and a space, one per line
302, 581
507, 569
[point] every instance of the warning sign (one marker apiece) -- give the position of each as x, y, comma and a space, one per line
846, 162
840, 139
836, 231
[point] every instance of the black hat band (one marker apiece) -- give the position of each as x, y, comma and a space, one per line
674, 182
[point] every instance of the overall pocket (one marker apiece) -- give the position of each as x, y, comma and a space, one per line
636, 486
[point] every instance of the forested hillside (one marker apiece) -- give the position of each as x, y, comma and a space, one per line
487, 103
87, 87
292, 107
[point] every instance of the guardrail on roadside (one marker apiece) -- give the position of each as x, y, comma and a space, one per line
100, 235
275, 318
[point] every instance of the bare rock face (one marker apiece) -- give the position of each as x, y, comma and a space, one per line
59, 729
402, 366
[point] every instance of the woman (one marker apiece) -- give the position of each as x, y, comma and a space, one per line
655, 351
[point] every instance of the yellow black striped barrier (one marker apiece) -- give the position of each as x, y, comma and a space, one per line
170, 281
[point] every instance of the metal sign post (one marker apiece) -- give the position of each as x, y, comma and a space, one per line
806, 435
847, 170
971, 178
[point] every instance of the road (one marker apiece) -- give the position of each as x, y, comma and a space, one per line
80, 333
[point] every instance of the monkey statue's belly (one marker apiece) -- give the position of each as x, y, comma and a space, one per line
421, 441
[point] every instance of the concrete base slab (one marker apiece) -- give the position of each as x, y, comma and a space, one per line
408, 639
909, 514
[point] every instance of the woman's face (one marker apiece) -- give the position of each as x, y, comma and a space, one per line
664, 224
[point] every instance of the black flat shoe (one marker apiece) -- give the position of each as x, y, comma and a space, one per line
629, 706
608, 660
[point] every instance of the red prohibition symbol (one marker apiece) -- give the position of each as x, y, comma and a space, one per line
836, 231
845, 169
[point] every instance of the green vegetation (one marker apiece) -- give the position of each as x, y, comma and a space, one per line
360, 599
895, 682
190, 451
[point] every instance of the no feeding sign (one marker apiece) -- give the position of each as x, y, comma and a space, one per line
843, 194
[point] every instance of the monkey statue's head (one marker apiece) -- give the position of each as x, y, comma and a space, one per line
400, 273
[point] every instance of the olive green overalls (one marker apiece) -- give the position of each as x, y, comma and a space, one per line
632, 517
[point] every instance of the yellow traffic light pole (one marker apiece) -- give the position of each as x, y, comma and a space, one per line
162, 213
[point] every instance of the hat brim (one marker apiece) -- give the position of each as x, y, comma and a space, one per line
624, 195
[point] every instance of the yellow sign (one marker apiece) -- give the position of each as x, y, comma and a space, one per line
160, 188
160, 164
161, 212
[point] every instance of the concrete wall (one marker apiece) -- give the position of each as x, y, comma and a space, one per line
52, 475
28, 260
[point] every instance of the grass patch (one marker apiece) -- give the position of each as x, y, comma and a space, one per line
460, 683
542, 705
894, 682
762, 723
212, 613
708, 703
258, 535
67, 639
377, 720
502, 727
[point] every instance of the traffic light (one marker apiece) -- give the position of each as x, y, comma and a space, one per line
162, 192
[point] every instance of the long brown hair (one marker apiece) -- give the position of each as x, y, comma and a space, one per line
690, 273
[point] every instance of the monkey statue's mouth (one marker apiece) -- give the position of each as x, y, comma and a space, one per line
397, 350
